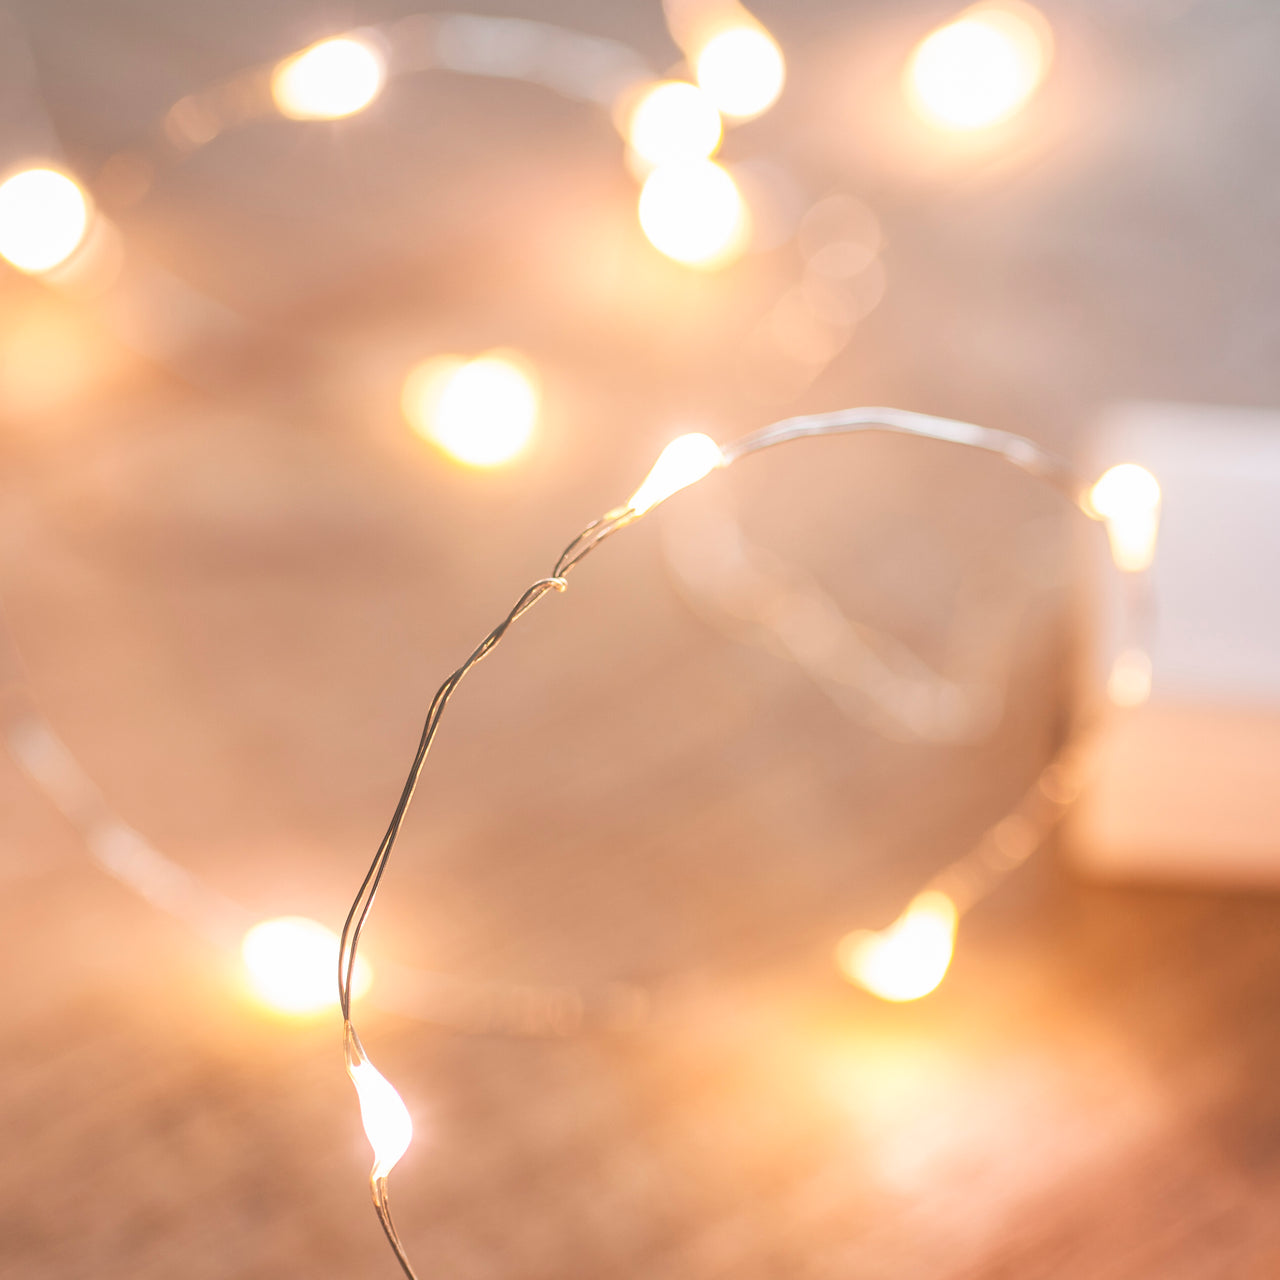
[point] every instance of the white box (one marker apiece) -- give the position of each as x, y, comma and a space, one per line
1186, 787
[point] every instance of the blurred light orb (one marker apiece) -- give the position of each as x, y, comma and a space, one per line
674, 121
292, 963
910, 957
694, 213
481, 412
982, 68
329, 80
1129, 684
43, 218
742, 71
1127, 497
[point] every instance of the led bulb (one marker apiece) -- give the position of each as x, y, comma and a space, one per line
292, 963
480, 412
674, 121
982, 68
742, 71
693, 212
910, 957
386, 1119
43, 218
331, 79
682, 463
1127, 497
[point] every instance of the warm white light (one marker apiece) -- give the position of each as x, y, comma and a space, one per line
693, 213
742, 71
334, 78
982, 68
1127, 497
386, 1119
481, 412
682, 463
674, 121
43, 217
1129, 684
293, 965
908, 959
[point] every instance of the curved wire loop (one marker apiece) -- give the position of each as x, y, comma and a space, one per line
1014, 449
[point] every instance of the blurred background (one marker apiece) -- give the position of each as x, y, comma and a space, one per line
312, 356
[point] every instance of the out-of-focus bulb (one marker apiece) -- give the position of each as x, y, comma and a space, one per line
292, 964
693, 212
331, 79
386, 1119
982, 68
910, 957
481, 412
674, 121
1129, 684
683, 462
43, 218
1127, 498
742, 71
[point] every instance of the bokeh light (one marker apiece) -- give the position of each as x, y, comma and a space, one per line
674, 121
742, 71
694, 213
1129, 684
910, 957
331, 79
1127, 497
292, 964
43, 217
481, 412
982, 68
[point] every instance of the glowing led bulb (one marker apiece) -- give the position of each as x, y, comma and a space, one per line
982, 68
674, 121
43, 218
293, 963
693, 212
1127, 497
481, 412
742, 71
331, 79
910, 957
683, 462
386, 1119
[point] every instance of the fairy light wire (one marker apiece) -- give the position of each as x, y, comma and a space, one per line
698, 462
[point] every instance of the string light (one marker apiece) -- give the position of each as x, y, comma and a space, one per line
481, 412
693, 212
742, 71
43, 218
1127, 498
290, 962
910, 957
903, 962
331, 79
674, 121
982, 68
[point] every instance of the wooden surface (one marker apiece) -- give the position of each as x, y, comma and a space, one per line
236, 584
